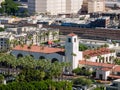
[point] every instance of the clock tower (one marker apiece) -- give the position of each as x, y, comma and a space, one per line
72, 53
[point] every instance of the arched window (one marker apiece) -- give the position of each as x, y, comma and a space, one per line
110, 58
54, 60
19, 55
83, 68
106, 59
99, 60
41, 57
96, 60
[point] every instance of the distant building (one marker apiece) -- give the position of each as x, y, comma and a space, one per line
34, 35
96, 6
54, 7
5, 39
84, 7
100, 22
112, 3
6, 20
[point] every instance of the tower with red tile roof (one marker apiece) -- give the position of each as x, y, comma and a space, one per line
72, 52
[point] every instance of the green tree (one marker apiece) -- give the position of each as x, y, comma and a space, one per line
9, 7
82, 81
82, 47
54, 33
100, 88
2, 29
20, 78
1, 78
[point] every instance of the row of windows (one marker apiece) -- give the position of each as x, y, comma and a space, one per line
41, 57
105, 59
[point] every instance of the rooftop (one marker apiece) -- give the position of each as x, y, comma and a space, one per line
116, 69
97, 52
71, 34
40, 49
106, 69
83, 62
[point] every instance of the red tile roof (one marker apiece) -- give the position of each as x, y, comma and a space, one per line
83, 62
71, 34
106, 69
116, 69
114, 76
98, 52
40, 49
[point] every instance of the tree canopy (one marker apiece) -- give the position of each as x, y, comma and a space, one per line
9, 7
35, 85
34, 74
82, 81
31, 69
82, 47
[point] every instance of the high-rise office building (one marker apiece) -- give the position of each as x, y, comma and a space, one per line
54, 7
96, 6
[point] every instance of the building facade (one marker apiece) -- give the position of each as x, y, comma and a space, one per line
99, 60
54, 7
5, 39
96, 6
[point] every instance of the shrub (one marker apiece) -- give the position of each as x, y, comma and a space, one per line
82, 81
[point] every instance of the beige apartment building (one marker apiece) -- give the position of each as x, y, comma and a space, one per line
96, 6
54, 7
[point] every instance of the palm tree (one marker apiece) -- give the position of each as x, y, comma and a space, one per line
86, 58
100, 58
8, 43
54, 34
30, 37
106, 45
47, 34
112, 59
42, 75
40, 37
44, 35
1, 78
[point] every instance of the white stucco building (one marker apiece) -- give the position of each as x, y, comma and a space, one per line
54, 7
100, 60
34, 35
72, 52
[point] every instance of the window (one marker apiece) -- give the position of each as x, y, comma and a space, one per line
96, 60
74, 39
1, 39
69, 39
